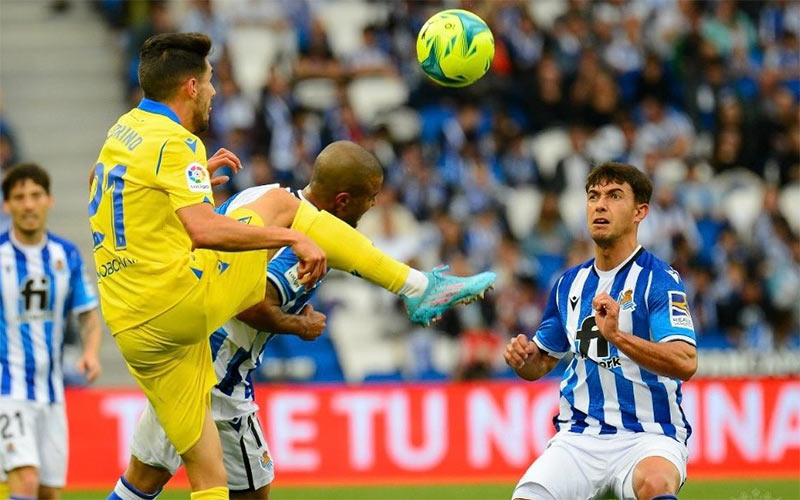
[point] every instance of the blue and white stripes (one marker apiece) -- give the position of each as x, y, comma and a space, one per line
39, 286
603, 391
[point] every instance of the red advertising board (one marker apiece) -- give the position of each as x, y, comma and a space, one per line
489, 431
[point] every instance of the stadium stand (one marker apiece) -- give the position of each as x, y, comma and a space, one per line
491, 176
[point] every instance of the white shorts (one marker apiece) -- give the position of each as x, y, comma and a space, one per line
34, 434
583, 466
244, 450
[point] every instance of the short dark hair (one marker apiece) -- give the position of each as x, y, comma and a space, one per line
166, 60
22, 172
621, 173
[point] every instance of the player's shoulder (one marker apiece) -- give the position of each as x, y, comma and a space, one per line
661, 271
70, 248
663, 277
5, 237
571, 273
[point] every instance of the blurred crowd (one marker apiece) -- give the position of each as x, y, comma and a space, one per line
703, 96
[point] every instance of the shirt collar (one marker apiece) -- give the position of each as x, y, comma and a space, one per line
24, 246
158, 108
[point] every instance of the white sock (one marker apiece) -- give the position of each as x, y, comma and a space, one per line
415, 284
124, 491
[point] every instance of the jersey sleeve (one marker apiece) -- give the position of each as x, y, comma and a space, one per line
551, 336
282, 274
82, 296
670, 317
181, 172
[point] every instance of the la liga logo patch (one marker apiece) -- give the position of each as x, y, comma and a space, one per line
679, 315
197, 178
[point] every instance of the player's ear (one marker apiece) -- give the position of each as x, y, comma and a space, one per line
191, 85
341, 200
5, 207
642, 209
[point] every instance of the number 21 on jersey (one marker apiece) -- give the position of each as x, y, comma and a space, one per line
111, 182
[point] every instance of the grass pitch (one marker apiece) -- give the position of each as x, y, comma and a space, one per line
692, 490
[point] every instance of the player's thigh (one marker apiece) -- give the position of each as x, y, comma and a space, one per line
151, 446
177, 382
18, 435
237, 280
53, 445
646, 446
565, 470
245, 454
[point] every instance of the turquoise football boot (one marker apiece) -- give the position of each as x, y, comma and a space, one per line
444, 292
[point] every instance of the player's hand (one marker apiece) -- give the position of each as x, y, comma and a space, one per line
314, 323
518, 351
89, 366
313, 262
606, 315
222, 158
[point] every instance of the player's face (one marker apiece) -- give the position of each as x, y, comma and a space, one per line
205, 92
28, 204
612, 212
356, 206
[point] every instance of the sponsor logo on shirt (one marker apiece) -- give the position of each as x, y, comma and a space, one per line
293, 278
197, 178
679, 315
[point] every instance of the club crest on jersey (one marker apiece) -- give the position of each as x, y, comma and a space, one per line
679, 315
265, 461
197, 178
625, 301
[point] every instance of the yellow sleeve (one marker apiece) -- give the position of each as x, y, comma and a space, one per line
182, 173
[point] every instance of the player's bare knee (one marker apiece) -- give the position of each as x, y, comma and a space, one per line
49, 493
259, 494
24, 481
652, 485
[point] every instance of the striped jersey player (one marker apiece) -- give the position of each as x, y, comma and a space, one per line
623, 318
42, 282
237, 349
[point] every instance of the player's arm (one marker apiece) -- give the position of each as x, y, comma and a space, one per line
189, 188
533, 359
527, 359
89, 364
268, 316
675, 359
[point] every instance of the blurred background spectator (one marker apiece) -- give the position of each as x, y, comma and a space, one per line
703, 96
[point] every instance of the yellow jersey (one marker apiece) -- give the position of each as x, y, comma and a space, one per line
149, 167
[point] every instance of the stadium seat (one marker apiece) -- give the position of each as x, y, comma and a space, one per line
522, 210
789, 205
742, 206
371, 95
404, 124
572, 205
548, 147
253, 51
345, 22
670, 172
318, 94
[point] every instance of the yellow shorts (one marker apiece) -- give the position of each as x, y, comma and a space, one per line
170, 357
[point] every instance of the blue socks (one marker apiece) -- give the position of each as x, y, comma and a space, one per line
123, 490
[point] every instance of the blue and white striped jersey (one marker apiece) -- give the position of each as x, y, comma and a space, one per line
39, 286
603, 391
237, 348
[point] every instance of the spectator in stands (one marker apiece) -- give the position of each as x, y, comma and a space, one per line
685, 90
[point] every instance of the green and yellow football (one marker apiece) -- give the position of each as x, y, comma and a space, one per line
455, 48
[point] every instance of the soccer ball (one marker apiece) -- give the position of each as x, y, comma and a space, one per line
455, 48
